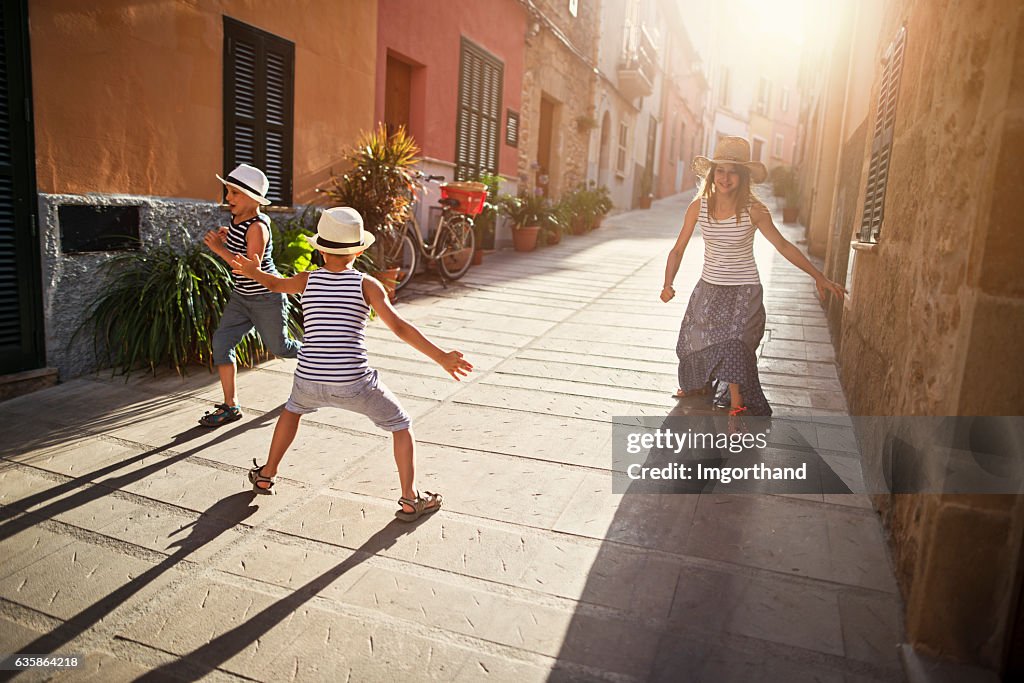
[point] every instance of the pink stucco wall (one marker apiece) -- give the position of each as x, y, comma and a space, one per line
428, 33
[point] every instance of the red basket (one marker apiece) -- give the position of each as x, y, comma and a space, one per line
471, 196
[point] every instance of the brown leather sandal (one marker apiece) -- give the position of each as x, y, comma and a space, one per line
421, 505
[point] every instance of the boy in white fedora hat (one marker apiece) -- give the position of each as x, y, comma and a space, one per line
251, 304
333, 370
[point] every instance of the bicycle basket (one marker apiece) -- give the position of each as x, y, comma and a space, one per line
471, 196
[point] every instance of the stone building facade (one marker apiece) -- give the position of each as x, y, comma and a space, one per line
931, 251
557, 102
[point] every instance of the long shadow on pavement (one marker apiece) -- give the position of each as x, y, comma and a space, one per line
203, 660
219, 518
97, 491
685, 608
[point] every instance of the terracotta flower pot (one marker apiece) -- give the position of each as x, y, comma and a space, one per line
525, 237
554, 237
478, 257
389, 278
579, 225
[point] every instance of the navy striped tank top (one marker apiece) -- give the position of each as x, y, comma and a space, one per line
236, 245
334, 315
728, 249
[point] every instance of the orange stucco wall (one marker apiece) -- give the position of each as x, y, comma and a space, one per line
428, 35
128, 95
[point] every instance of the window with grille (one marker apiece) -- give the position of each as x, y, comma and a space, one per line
881, 144
780, 143
477, 129
784, 100
259, 92
723, 95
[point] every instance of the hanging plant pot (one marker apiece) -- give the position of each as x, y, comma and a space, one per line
525, 238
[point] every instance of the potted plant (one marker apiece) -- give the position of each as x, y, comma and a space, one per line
791, 211
379, 185
527, 212
782, 177
602, 204
484, 223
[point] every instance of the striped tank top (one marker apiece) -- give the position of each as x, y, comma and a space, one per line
728, 249
334, 315
236, 245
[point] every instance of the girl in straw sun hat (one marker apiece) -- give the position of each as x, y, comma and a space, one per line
725, 317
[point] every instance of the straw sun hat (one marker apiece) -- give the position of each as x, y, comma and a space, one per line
250, 181
340, 231
732, 150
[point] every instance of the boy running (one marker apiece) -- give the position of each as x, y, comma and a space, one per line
251, 304
333, 369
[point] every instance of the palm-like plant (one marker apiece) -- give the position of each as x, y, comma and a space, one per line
161, 307
380, 183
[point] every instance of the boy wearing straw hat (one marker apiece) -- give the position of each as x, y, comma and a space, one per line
251, 304
333, 370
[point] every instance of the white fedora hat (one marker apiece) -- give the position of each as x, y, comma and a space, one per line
340, 231
732, 150
249, 180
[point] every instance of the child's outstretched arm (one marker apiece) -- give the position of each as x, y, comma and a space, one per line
295, 284
452, 361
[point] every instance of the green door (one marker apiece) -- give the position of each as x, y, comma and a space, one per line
21, 326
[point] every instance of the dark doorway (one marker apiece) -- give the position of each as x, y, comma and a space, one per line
21, 318
397, 94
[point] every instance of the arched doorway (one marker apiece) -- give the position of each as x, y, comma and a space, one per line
604, 153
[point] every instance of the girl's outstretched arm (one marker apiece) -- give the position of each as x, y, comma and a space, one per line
762, 218
675, 257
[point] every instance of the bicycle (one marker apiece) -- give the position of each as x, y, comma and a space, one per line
454, 240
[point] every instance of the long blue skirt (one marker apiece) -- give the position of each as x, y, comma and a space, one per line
718, 340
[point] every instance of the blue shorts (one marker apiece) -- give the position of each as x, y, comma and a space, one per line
367, 396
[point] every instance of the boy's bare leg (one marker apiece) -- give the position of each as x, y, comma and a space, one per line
284, 434
405, 459
227, 383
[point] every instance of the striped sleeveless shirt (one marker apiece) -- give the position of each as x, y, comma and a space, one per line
728, 249
334, 315
237, 245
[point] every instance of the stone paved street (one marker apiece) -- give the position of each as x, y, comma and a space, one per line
129, 535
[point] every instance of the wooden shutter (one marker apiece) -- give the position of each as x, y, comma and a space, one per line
21, 323
259, 83
478, 126
881, 145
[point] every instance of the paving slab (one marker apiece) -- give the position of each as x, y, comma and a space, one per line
534, 570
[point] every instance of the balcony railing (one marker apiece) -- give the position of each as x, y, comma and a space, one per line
638, 63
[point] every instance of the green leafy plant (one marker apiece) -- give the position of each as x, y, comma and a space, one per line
379, 185
161, 307
292, 252
783, 180
484, 223
528, 209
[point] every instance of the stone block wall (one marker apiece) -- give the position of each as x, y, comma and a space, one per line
938, 307
554, 70
71, 282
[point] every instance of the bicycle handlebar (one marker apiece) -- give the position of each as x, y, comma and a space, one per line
423, 176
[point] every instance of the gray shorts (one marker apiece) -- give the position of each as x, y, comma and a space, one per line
367, 396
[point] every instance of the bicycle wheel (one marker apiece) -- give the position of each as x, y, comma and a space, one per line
456, 242
407, 261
